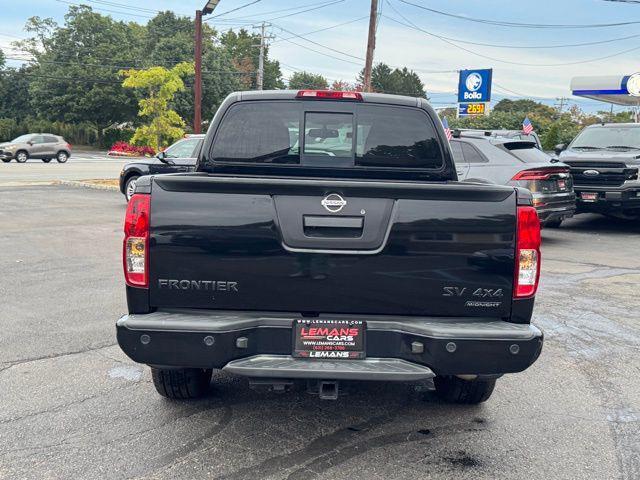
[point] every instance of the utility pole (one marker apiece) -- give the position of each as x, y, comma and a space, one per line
371, 45
263, 44
560, 105
209, 7
197, 100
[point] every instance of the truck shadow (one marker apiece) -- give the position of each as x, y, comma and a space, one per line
599, 223
312, 436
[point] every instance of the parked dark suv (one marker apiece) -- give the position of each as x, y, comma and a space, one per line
179, 157
604, 161
506, 161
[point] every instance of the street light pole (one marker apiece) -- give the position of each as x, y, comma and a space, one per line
197, 88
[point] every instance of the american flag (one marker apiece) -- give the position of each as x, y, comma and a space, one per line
527, 126
447, 130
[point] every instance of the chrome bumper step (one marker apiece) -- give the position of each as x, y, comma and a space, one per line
285, 366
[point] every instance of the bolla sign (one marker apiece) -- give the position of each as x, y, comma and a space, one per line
474, 86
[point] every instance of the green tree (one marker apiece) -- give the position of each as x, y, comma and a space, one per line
397, 81
306, 80
75, 70
14, 93
241, 46
160, 84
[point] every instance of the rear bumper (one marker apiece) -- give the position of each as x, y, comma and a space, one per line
555, 206
610, 199
203, 339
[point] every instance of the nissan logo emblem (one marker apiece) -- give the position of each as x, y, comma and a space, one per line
333, 202
591, 173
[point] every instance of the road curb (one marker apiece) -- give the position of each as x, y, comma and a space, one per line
81, 184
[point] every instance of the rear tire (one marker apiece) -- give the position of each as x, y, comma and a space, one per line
455, 390
62, 156
22, 156
181, 383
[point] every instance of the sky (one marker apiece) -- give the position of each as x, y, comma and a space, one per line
413, 37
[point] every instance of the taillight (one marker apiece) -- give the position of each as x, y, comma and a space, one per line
330, 95
135, 248
539, 173
528, 259
69, 146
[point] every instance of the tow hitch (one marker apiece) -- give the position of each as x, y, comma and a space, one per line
325, 389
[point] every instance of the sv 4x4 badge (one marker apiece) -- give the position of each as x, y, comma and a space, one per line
477, 294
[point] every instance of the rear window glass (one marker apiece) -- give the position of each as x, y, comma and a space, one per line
396, 137
456, 149
527, 152
374, 136
260, 132
183, 149
471, 155
329, 134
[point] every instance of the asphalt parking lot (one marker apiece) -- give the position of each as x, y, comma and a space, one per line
81, 165
73, 406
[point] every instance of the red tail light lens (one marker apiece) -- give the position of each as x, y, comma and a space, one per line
539, 174
135, 248
69, 146
528, 259
330, 95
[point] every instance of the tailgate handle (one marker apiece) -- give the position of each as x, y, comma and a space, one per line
314, 221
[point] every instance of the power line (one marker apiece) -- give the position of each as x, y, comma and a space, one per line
304, 11
121, 5
316, 43
412, 25
314, 6
284, 9
108, 10
533, 47
322, 53
520, 25
233, 10
324, 29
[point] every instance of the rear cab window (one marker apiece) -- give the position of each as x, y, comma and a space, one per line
345, 136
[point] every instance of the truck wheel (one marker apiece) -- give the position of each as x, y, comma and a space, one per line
181, 383
455, 390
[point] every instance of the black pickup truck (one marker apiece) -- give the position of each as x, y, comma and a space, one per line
605, 162
324, 237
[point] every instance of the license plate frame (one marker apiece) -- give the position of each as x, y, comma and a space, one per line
320, 339
589, 196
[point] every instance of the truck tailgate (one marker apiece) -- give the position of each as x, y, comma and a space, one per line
331, 246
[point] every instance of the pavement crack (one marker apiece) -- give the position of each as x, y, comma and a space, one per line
12, 363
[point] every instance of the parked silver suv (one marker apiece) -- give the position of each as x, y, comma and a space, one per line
43, 146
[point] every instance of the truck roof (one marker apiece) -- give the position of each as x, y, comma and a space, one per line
366, 97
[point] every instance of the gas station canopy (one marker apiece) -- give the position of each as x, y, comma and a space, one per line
617, 89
